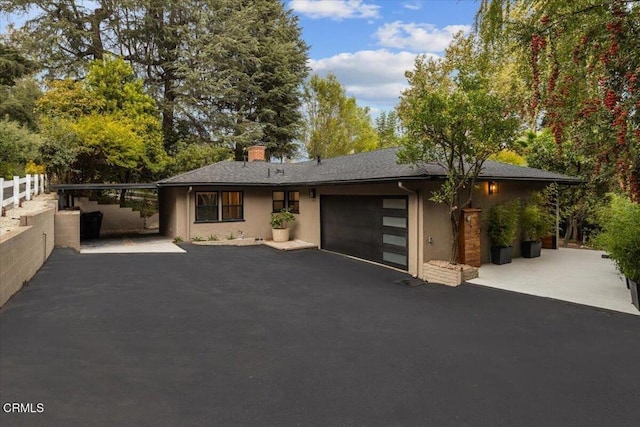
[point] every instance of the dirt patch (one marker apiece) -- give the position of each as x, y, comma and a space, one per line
11, 219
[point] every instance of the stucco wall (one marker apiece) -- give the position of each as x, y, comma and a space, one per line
67, 227
24, 250
438, 227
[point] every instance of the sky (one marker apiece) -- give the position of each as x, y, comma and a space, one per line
369, 44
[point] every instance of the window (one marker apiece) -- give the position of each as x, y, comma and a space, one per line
293, 201
232, 205
206, 206
279, 202
286, 200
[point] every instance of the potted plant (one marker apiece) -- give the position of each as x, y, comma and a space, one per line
535, 223
502, 225
279, 222
620, 237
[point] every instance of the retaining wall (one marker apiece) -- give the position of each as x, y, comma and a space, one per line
24, 250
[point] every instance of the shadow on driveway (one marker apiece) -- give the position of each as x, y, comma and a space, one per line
253, 336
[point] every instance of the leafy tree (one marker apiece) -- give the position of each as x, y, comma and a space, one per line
227, 72
510, 157
13, 65
578, 204
334, 124
18, 92
18, 146
196, 155
580, 63
388, 128
453, 118
104, 128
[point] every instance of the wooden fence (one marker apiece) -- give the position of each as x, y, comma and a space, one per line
12, 192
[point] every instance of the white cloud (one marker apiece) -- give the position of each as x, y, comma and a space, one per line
412, 5
374, 77
417, 37
335, 9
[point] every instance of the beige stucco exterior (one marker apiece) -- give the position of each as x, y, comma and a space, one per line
429, 227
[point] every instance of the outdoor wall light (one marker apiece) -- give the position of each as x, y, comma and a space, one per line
312, 193
493, 187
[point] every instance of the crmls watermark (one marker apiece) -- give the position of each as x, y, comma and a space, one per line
23, 408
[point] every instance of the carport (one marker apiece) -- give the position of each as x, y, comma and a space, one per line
580, 276
120, 219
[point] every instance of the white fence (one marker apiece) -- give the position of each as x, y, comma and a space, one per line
21, 188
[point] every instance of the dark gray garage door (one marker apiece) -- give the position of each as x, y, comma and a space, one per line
374, 228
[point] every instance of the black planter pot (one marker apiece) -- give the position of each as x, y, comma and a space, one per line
531, 249
501, 255
635, 290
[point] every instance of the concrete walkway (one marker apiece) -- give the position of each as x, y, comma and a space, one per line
290, 245
130, 245
580, 276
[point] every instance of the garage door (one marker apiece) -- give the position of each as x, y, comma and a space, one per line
374, 228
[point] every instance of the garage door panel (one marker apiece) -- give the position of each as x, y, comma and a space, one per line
368, 227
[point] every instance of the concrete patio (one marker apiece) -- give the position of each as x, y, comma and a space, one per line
130, 244
579, 276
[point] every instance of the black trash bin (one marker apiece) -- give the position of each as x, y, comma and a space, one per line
90, 223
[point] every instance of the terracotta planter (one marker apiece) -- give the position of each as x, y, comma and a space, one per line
280, 234
501, 255
531, 249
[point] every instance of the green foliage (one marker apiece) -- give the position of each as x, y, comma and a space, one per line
620, 235
213, 238
455, 118
535, 219
18, 146
280, 220
196, 155
18, 102
226, 72
178, 239
577, 67
510, 157
502, 223
197, 239
388, 128
334, 124
13, 65
103, 128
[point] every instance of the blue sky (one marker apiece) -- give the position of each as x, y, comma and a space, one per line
369, 44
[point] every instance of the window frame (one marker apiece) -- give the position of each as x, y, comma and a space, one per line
286, 201
296, 202
283, 200
241, 206
215, 206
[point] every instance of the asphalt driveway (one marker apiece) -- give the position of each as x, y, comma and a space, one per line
253, 336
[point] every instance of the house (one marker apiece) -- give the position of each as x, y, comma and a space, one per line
365, 205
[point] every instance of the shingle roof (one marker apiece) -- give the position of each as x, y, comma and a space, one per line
373, 166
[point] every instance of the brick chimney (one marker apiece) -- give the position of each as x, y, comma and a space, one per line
256, 153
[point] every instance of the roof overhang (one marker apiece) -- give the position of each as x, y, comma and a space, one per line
102, 186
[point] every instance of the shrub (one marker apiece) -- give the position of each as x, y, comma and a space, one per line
620, 235
535, 221
279, 220
502, 223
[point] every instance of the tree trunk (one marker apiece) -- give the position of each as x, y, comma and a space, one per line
455, 235
568, 231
